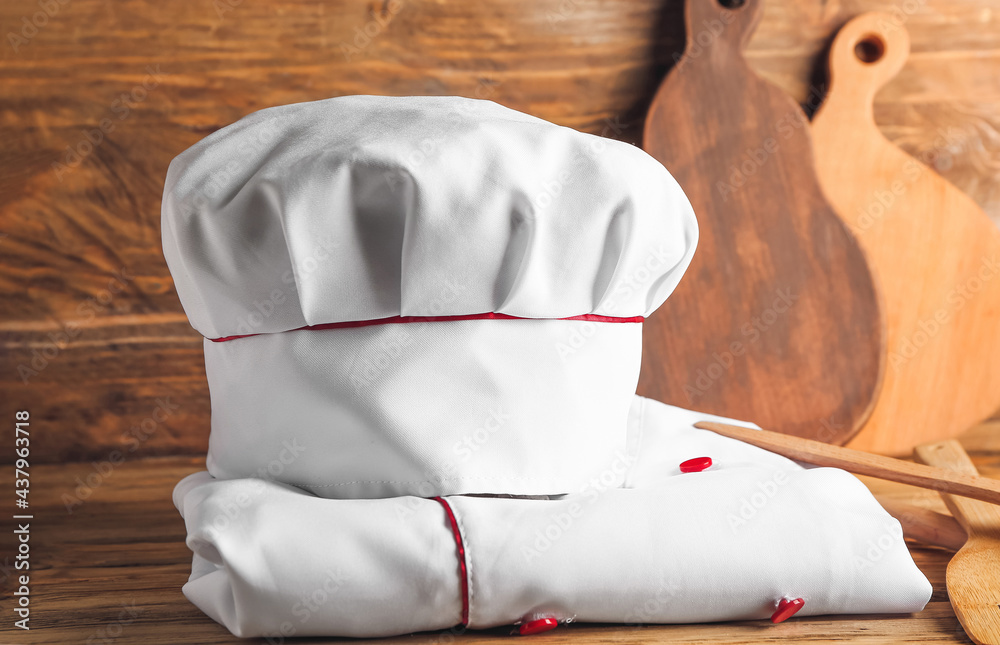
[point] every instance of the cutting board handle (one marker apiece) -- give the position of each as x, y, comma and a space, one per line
711, 23
867, 52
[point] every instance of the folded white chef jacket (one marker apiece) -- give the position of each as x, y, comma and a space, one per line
727, 543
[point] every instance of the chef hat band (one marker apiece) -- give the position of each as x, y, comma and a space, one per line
438, 408
421, 295
349, 324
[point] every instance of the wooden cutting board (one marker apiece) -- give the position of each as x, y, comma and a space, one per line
777, 321
935, 254
973, 575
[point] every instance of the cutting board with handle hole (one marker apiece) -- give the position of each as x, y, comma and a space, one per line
934, 252
973, 575
777, 320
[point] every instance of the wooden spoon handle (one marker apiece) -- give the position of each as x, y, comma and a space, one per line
973, 516
863, 463
925, 525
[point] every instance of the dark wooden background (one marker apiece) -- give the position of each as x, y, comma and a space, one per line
94, 338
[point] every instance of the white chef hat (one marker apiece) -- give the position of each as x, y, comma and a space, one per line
419, 295
755, 535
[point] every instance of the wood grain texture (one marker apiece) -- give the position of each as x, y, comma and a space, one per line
589, 64
935, 253
114, 567
973, 585
943, 107
777, 320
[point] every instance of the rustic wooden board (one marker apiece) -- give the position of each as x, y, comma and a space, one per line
935, 253
777, 320
123, 551
589, 64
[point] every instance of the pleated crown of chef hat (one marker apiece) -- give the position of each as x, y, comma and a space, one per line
420, 295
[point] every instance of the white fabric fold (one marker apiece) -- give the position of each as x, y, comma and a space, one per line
271, 560
724, 544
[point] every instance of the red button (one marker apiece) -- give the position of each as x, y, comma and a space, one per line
537, 626
786, 609
696, 465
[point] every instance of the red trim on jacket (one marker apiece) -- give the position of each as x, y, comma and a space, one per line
460, 546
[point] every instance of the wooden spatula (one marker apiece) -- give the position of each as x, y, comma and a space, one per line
973, 576
777, 319
935, 253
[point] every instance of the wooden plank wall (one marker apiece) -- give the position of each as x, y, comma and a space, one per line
97, 96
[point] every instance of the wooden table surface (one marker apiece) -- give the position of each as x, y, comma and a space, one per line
114, 567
